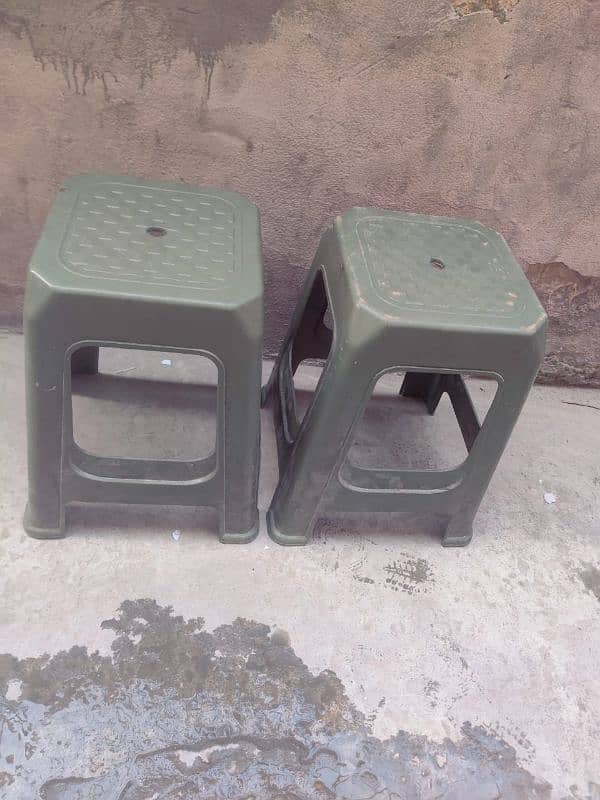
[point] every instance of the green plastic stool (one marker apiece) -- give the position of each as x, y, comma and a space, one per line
150, 265
429, 296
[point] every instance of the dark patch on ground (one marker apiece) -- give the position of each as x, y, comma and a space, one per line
499, 8
409, 574
572, 302
431, 691
88, 40
178, 712
590, 577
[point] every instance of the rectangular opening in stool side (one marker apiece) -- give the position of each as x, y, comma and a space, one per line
145, 414
416, 431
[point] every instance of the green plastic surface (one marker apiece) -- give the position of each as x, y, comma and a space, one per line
430, 296
152, 265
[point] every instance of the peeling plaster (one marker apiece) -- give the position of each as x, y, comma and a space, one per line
572, 302
499, 8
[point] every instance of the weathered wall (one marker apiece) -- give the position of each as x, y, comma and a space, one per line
483, 108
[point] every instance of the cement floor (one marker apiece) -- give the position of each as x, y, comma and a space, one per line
390, 667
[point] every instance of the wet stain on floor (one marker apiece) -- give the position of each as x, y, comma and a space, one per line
179, 712
363, 579
431, 691
409, 574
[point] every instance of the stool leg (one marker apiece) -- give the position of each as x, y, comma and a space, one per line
310, 337
318, 450
239, 521
44, 515
426, 386
84, 361
485, 453
459, 530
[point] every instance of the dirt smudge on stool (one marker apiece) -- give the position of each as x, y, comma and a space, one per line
178, 711
409, 574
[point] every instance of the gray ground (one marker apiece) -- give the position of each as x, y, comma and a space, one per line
370, 664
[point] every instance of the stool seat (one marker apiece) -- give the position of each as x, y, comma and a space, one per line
149, 239
150, 265
434, 271
431, 297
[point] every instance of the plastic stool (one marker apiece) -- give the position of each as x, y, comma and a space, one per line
429, 296
148, 265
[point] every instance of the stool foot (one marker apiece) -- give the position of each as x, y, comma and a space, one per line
286, 539
227, 537
458, 533
38, 532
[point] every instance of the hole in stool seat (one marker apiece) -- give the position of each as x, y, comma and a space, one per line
146, 404
397, 432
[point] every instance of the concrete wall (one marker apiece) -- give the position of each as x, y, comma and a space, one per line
482, 108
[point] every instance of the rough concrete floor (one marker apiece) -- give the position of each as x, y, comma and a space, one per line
390, 667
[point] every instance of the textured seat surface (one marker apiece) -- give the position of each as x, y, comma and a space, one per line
142, 237
422, 266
